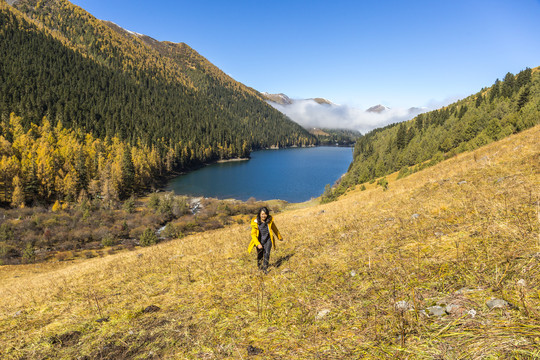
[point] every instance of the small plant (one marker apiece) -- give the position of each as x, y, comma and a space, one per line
383, 183
405, 171
108, 240
6, 233
170, 231
129, 205
153, 201
148, 238
29, 255
56, 207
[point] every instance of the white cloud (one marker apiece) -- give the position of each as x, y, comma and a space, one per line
309, 114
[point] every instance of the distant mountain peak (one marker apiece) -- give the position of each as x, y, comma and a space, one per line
280, 98
283, 99
377, 109
322, 101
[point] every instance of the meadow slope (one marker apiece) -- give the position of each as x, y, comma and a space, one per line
355, 278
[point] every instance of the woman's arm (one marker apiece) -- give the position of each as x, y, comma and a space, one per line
276, 231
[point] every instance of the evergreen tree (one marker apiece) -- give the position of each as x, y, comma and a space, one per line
127, 184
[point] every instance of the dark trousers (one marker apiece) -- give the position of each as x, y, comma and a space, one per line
263, 255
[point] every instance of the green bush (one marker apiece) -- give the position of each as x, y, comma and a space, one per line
108, 240
148, 238
129, 205
383, 183
153, 201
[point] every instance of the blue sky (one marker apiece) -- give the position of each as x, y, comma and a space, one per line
357, 53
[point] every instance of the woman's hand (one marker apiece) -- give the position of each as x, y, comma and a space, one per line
259, 246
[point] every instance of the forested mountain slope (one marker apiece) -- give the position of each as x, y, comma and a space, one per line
94, 78
507, 107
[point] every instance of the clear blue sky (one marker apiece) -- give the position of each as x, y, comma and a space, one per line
361, 53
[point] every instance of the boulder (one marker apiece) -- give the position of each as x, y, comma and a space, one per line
497, 304
436, 310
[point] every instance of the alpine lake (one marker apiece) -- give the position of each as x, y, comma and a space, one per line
293, 174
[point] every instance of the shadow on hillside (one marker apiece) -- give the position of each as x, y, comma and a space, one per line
282, 259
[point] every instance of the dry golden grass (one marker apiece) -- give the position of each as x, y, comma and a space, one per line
458, 233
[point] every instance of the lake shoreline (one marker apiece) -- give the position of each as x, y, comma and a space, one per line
295, 175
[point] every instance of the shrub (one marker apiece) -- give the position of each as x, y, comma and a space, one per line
405, 171
56, 207
29, 254
148, 238
171, 232
328, 195
180, 206
6, 233
129, 205
383, 183
153, 201
8, 252
108, 240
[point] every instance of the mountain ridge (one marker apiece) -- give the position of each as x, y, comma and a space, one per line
62, 64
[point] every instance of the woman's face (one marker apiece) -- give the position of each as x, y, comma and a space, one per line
263, 216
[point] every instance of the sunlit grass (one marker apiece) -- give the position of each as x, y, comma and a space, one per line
459, 233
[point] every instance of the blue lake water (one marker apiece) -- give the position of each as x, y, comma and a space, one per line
293, 175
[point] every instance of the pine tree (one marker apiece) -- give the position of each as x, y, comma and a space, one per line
127, 184
401, 139
17, 199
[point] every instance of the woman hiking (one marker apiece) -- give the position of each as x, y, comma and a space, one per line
263, 230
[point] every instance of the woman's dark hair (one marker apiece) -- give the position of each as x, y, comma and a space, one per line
263, 209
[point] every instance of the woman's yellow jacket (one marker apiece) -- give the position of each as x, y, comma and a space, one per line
255, 233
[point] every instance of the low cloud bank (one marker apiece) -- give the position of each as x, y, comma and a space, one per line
309, 114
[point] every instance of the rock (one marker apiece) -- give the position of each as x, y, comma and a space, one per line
436, 310
415, 216
466, 291
18, 313
462, 182
252, 350
439, 234
472, 312
497, 304
321, 314
454, 309
353, 273
403, 305
151, 309
522, 283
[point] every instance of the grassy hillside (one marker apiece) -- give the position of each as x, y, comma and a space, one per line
505, 108
354, 278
